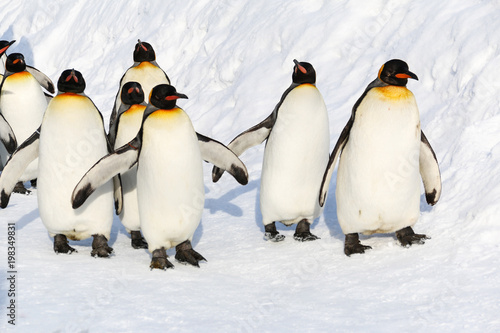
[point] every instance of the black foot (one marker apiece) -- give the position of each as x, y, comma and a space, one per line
100, 247
138, 242
33, 183
352, 245
160, 260
19, 188
271, 234
184, 253
407, 237
302, 232
61, 245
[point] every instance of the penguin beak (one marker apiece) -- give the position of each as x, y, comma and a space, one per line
174, 97
301, 68
406, 75
2, 50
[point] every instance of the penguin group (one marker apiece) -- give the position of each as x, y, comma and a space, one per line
149, 163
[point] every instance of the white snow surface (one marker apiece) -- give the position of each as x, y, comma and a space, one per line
234, 60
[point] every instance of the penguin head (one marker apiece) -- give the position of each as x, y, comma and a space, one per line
143, 52
303, 72
164, 96
15, 63
4, 45
71, 81
395, 72
132, 93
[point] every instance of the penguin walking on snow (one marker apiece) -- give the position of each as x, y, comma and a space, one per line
145, 71
170, 190
295, 157
383, 154
128, 123
22, 105
69, 141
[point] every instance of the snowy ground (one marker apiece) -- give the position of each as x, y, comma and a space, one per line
234, 59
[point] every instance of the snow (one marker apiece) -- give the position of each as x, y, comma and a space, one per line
234, 60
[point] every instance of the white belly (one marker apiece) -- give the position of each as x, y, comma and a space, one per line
170, 187
71, 142
23, 104
378, 180
295, 158
128, 127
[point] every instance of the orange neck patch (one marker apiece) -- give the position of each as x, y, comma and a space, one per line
393, 92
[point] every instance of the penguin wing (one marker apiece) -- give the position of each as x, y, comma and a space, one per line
333, 161
106, 168
248, 139
429, 170
118, 194
15, 166
43, 79
223, 158
7, 135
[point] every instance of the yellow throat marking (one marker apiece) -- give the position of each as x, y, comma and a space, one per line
393, 93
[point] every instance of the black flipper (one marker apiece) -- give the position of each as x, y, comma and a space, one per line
222, 157
43, 79
429, 170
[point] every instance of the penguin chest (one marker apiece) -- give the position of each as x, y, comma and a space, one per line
296, 155
22, 103
148, 75
378, 183
170, 185
71, 141
129, 125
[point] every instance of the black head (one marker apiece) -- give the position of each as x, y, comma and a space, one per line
71, 81
303, 72
15, 63
132, 93
4, 45
143, 52
164, 96
395, 72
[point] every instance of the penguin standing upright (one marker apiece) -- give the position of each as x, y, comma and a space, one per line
22, 104
145, 71
127, 125
170, 188
4, 46
295, 157
7, 135
383, 154
69, 141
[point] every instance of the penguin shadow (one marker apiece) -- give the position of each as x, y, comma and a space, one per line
224, 203
330, 211
27, 219
20, 46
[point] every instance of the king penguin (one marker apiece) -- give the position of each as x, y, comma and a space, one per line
22, 104
145, 71
69, 141
4, 46
295, 157
170, 190
7, 135
126, 127
383, 154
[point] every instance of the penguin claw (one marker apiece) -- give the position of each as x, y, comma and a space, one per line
100, 247
407, 237
19, 188
274, 237
305, 237
160, 263
185, 254
353, 245
137, 241
61, 245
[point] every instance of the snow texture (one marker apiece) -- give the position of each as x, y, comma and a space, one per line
234, 60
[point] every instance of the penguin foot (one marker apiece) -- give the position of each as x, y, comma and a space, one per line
185, 254
33, 182
407, 237
61, 245
271, 234
138, 242
19, 188
159, 260
302, 232
352, 245
100, 247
